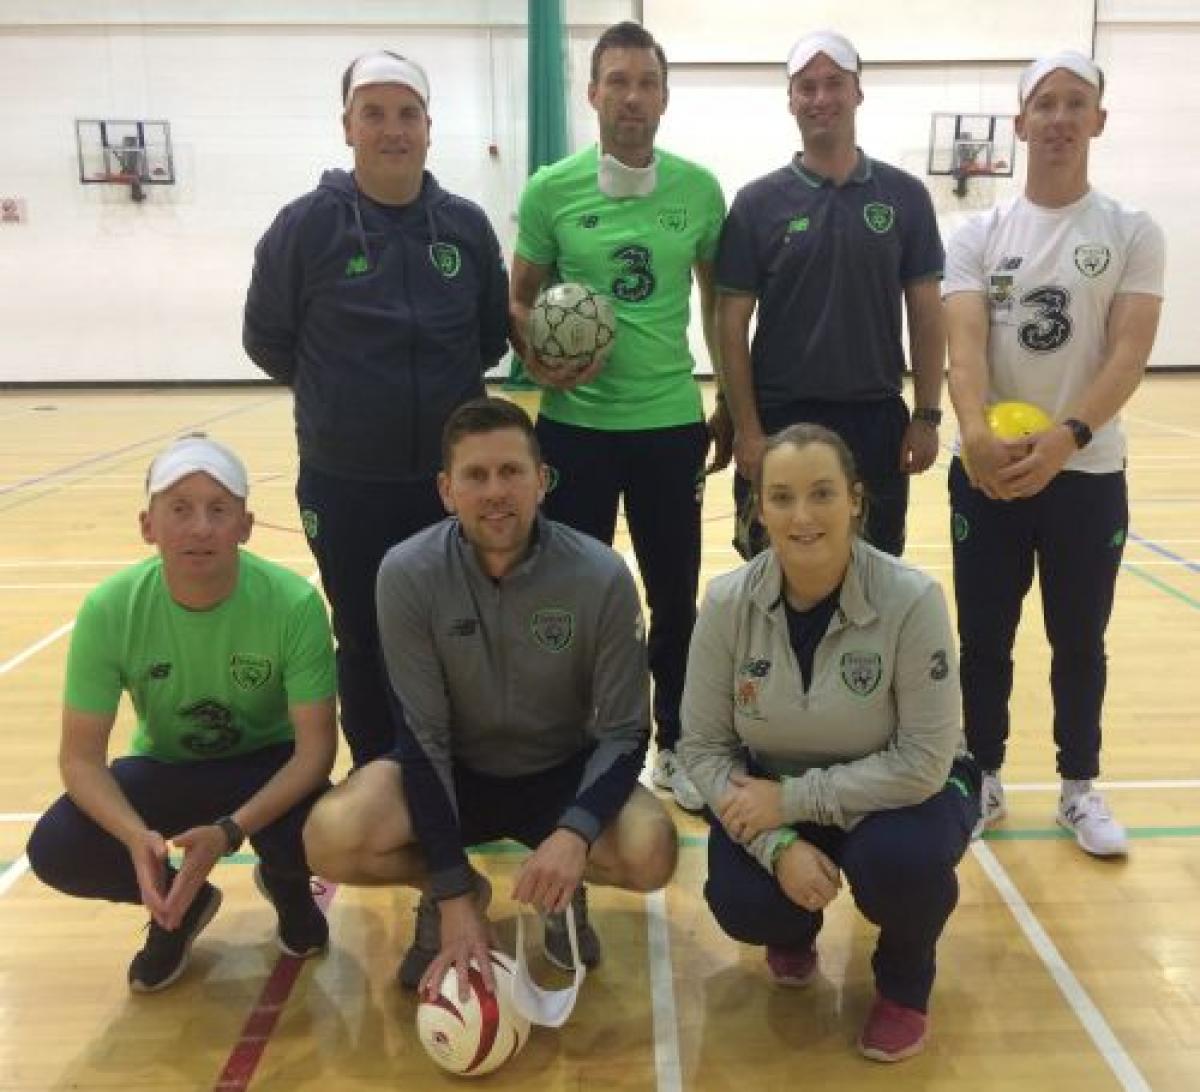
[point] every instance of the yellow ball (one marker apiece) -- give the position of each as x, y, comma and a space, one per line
1013, 420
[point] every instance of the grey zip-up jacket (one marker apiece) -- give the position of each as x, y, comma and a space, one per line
878, 726
512, 677
381, 320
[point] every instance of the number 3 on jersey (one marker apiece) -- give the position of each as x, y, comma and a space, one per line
1050, 329
636, 281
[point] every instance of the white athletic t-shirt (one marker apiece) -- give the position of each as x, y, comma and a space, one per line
1050, 276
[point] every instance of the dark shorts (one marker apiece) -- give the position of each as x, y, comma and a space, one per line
527, 809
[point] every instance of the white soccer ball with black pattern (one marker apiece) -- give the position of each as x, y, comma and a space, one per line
570, 326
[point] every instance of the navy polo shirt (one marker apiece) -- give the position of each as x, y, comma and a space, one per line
828, 265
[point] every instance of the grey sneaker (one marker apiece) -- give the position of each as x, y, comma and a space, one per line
670, 776
1088, 818
992, 806
427, 936
557, 941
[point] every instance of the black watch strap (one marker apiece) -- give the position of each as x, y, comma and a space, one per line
234, 835
928, 413
1079, 430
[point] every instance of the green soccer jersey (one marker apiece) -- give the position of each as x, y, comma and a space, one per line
204, 684
638, 251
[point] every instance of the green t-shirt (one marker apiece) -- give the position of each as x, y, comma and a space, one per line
638, 251
204, 684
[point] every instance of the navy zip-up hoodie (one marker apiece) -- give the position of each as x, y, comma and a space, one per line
381, 319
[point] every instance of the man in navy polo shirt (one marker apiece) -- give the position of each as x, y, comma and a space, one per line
826, 248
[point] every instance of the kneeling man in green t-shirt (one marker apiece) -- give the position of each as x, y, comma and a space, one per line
228, 662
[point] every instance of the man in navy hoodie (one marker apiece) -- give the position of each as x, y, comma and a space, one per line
381, 300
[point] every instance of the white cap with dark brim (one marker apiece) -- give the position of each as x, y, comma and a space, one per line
1073, 61
835, 46
387, 68
197, 455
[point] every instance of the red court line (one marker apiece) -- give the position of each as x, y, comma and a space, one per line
260, 1024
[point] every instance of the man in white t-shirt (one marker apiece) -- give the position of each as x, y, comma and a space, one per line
1052, 298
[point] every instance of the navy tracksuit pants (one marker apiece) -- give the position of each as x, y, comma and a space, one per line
660, 475
899, 865
69, 851
350, 525
1074, 530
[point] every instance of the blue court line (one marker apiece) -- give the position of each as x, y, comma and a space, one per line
1162, 551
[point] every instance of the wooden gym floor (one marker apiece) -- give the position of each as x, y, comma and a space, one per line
1056, 971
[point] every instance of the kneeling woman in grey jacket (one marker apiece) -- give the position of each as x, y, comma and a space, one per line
821, 723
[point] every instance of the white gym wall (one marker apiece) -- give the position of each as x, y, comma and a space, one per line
95, 288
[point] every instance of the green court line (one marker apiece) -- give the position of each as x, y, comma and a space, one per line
1162, 585
1058, 833
698, 841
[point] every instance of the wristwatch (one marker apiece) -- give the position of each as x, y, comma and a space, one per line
1080, 431
929, 414
234, 834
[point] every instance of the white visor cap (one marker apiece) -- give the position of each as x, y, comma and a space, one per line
197, 454
836, 47
387, 68
1083, 67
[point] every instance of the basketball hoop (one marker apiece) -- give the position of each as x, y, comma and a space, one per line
136, 154
966, 146
136, 191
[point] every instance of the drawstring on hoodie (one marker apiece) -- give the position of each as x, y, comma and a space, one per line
362, 233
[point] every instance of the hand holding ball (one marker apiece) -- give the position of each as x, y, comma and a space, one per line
474, 1038
1015, 420
570, 326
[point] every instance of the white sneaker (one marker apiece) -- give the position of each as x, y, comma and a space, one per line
1088, 818
992, 807
670, 775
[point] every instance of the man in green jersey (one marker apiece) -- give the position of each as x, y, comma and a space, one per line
228, 662
633, 222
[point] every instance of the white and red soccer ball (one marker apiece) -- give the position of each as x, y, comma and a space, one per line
479, 1036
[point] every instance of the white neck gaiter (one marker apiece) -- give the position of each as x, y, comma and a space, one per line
615, 179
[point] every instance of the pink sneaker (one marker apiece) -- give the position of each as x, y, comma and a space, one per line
892, 1032
791, 966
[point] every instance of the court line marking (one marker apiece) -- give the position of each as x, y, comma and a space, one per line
667, 1067
260, 1024
691, 841
120, 563
1069, 986
1161, 585
36, 647
1118, 786
1178, 429
1162, 551
13, 873
91, 460
314, 579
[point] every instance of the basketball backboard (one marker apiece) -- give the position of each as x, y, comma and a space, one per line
968, 146
132, 153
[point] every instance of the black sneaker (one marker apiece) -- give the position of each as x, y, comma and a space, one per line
303, 930
427, 937
164, 956
556, 941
